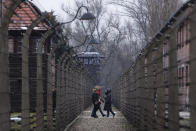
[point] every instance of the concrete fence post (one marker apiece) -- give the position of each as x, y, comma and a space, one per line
25, 75
4, 79
40, 89
173, 109
192, 91
160, 106
50, 84
58, 99
141, 94
67, 99
4, 64
150, 92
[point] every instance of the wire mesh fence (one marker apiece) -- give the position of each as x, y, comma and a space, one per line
38, 92
157, 92
73, 88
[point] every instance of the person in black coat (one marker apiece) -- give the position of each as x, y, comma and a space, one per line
95, 101
108, 103
99, 104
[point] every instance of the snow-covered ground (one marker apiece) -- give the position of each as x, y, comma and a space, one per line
16, 119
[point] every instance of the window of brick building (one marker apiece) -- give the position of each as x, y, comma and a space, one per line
183, 57
17, 43
165, 60
10, 45
182, 77
179, 77
181, 35
19, 46
43, 49
187, 31
35, 45
178, 38
187, 74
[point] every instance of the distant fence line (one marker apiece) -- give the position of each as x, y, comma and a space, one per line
74, 87
45, 94
157, 93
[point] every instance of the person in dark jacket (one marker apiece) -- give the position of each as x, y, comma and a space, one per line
95, 101
100, 100
108, 103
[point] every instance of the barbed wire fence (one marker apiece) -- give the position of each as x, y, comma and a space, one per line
73, 88
157, 92
43, 95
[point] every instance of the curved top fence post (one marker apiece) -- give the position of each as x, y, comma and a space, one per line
25, 74
4, 76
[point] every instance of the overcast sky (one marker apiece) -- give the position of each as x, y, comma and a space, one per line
55, 5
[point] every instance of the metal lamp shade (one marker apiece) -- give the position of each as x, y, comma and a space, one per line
87, 16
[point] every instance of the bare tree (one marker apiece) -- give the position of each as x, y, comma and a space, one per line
148, 15
117, 39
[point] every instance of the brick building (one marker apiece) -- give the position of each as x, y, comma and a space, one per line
24, 15
183, 58
183, 62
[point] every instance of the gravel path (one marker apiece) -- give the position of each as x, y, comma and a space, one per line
86, 123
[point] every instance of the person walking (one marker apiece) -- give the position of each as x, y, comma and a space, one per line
108, 103
95, 101
99, 104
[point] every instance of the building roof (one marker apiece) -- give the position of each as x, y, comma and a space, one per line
171, 21
90, 54
23, 17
